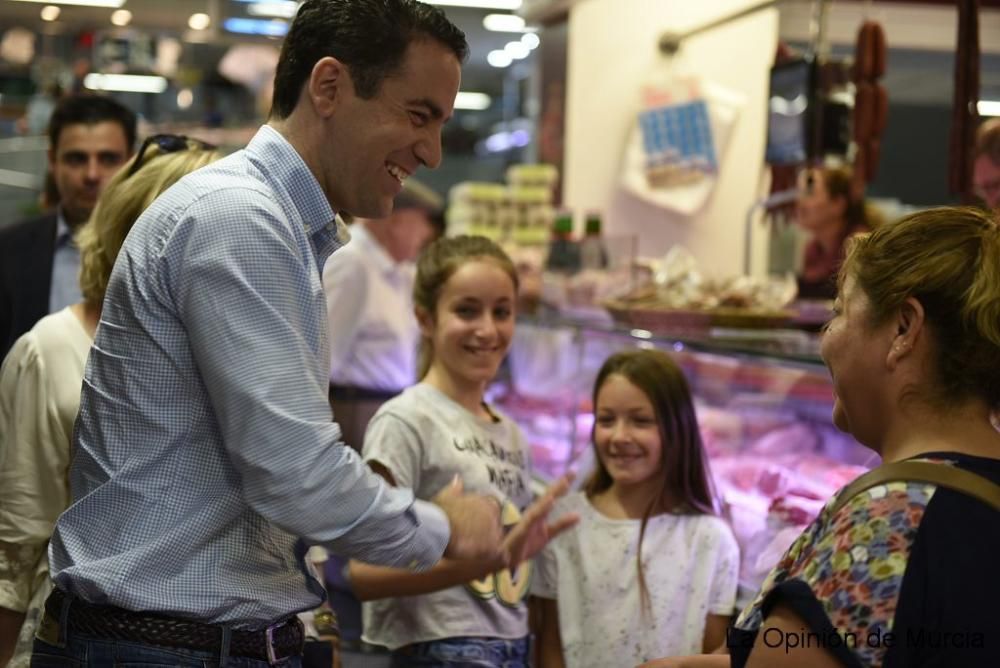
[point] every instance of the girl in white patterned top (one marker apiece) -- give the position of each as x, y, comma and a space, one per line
651, 570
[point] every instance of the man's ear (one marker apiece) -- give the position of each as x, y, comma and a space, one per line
328, 84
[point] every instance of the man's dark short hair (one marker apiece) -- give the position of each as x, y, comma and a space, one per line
88, 109
369, 36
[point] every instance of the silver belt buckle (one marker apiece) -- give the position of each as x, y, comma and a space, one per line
272, 657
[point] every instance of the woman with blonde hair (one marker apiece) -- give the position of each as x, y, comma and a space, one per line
897, 570
40, 389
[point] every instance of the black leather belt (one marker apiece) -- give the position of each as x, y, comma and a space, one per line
273, 644
348, 393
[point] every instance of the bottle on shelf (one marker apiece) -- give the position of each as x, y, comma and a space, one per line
593, 253
564, 253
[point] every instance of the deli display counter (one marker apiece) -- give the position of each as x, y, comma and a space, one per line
764, 401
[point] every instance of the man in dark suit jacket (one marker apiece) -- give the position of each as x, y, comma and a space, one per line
90, 137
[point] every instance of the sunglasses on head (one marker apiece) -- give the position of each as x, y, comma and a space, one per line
168, 144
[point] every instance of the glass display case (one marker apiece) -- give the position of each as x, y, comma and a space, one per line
764, 401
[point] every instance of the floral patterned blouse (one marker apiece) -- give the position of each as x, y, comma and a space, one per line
894, 578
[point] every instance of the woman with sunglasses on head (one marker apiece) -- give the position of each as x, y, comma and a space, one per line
40, 390
897, 570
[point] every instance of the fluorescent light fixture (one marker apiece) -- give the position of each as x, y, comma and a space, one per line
503, 23
472, 101
199, 21
121, 17
989, 107
128, 83
272, 28
530, 40
499, 58
50, 13
478, 4
281, 9
516, 50
115, 4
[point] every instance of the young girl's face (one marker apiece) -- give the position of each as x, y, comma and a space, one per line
474, 322
626, 434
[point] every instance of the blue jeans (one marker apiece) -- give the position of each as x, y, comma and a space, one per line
81, 651
471, 652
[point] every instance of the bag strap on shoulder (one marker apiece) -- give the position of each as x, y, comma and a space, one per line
943, 475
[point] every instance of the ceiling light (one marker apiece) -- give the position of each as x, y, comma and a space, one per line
516, 50
199, 21
989, 107
128, 83
121, 17
283, 9
272, 28
479, 4
184, 98
499, 58
530, 40
472, 101
50, 13
503, 23
115, 4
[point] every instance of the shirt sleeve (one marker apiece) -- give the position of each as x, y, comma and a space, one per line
246, 301
842, 580
34, 456
396, 445
345, 283
722, 598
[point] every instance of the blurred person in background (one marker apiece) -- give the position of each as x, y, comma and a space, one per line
830, 211
39, 110
897, 569
986, 165
40, 392
90, 138
374, 335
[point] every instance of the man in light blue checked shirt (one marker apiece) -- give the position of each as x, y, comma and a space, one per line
206, 461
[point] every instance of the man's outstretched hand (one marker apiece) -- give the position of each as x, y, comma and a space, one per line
476, 532
534, 531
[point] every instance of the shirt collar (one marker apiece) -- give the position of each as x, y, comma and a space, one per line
286, 169
63, 232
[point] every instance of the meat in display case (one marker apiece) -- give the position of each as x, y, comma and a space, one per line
763, 398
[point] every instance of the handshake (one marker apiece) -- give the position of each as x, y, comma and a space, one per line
477, 531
